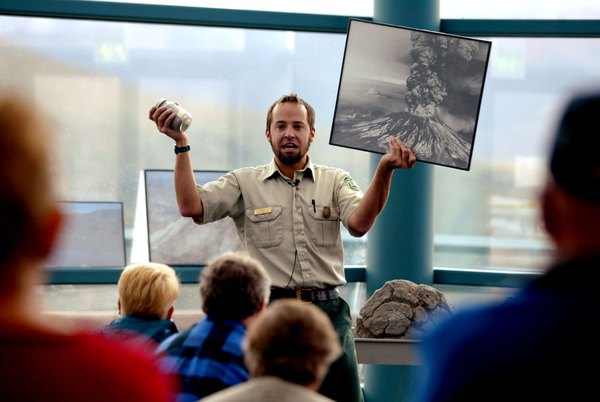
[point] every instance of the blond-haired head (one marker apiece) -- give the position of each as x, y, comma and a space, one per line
148, 289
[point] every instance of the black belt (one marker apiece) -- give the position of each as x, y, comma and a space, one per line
305, 294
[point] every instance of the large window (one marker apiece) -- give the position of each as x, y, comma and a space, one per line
98, 79
489, 217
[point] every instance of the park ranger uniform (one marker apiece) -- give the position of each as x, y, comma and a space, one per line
292, 226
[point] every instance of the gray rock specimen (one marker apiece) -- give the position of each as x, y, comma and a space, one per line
401, 309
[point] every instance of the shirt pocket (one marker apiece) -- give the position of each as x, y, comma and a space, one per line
264, 226
324, 225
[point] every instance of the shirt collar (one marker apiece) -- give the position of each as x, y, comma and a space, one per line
273, 171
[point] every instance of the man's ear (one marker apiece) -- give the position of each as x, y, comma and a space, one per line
170, 312
268, 134
50, 232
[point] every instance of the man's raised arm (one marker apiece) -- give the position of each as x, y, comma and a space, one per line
188, 196
398, 157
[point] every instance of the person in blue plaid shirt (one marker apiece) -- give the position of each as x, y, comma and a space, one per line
208, 357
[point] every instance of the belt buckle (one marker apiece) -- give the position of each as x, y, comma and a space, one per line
299, 295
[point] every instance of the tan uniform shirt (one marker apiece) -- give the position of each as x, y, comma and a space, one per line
293, 229
266, 389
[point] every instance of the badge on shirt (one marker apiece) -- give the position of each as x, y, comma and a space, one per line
263, 211
351, 183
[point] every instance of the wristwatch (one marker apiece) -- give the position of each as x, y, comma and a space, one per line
179, 150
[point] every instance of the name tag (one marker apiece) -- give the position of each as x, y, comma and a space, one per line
262, 211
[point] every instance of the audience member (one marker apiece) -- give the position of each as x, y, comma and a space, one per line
41, 360
540, 344
147, 296
208, 357
288, 350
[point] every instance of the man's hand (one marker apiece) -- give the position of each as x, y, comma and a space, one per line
163, 117
399, 156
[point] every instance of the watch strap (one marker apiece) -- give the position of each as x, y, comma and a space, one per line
179, 150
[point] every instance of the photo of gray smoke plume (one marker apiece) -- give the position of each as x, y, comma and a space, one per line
421, 86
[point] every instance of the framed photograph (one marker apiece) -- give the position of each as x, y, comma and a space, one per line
420, 86
92, 236
178, 241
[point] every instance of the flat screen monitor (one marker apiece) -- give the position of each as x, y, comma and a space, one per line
92, 236
178, 241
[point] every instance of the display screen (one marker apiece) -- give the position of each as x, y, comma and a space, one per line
175, 240
92, 235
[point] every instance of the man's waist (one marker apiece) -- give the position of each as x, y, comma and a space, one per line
306, 294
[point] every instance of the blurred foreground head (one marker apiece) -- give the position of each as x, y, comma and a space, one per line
29, 215
291, 340
575, 157
571, 200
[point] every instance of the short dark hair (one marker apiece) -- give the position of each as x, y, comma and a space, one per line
292, 98
233, 285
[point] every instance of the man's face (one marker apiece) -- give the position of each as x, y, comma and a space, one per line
290, 134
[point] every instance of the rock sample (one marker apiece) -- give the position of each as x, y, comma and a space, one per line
401, 309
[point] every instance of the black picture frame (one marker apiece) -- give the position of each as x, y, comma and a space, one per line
421, 86
92, 236
178, 241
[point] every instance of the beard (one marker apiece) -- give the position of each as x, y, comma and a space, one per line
290, 159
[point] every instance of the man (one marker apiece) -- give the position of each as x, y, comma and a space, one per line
39, 360
540, 344
288, 215
208, 357
287, 350
147, 296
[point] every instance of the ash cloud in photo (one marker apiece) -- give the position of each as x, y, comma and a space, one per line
423, 87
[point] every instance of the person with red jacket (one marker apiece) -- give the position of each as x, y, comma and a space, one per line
41, 360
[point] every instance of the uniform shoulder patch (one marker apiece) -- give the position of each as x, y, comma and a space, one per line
351, 183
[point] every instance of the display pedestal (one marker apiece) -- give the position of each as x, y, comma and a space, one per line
387, 351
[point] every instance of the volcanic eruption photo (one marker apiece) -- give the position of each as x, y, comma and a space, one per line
423, 87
